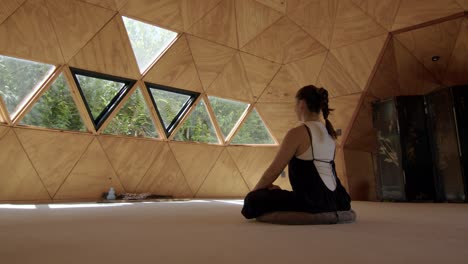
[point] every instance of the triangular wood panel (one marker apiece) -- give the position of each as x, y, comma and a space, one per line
457, 71
8, 7
283, 88
317, 17
75, 23
164, 176
259, 72
353, 25
109, 4
210, 58
252, 161
463, 4
362, 135
196, 161
19, 179
335, 79
130, 158
306, 71
232, 82
3, 131
192, 11
53, 154
415, 12
436, 40
219, 25
164, 13
385, 82
414, 78
284, 42
279, 117
340, 167
176, 68
109, 52
383, 11
28, 33
278, 5
224, 180
359, 59
252, 18
92, 176
344, 108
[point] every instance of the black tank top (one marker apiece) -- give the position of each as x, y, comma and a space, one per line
310, 188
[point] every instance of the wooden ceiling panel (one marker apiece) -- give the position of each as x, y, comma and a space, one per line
415, 12
164, 176
109, 4
463, 4
359, 59
232, 82
284, 42
8, 7
29, 34
259, 72
344, 108
219, 25
414, 78
306, 71
176, 68
278, 5
457, 71
316, 17
75, 23
53, 154
92, 176
383, 11
436, 40
353, 25
109, 52
283, 88
252, 18
279, 117
335, 78
210, 58
196, 161
224, 180
164, 13
130, 158
385, 82
252, 161
192, 11
19, 178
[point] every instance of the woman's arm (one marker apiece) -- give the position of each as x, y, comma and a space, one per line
287, 150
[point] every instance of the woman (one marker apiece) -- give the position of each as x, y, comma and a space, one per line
309, 149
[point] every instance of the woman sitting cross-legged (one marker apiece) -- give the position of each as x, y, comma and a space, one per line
309, 150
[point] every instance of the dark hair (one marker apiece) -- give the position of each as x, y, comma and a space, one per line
317, 100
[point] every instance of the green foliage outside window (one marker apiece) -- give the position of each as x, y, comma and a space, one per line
55, 109
227, 113
198, 127
253, 131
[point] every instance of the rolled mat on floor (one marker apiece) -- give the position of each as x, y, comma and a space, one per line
303, 218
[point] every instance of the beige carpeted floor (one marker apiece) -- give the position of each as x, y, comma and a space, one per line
215, 232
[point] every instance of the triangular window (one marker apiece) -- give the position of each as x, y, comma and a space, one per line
133, 119
101, 93
227, 113
171, 104
253, 131
19, 79
198, 127
55, 109
148, 41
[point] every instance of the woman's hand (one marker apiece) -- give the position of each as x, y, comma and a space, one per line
274, 187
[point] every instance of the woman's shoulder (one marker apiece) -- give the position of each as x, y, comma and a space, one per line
298, 130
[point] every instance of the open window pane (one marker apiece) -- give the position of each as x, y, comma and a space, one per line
133, 119
227, 113
148, 41
55, 109
253, 131
101, 93
19, 78
198, 127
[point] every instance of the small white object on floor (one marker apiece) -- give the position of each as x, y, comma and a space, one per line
111, 194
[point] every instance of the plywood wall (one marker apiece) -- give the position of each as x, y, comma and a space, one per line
257, 51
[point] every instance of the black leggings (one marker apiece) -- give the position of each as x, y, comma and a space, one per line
263, 201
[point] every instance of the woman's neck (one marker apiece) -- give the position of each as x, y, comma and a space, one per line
310, 117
